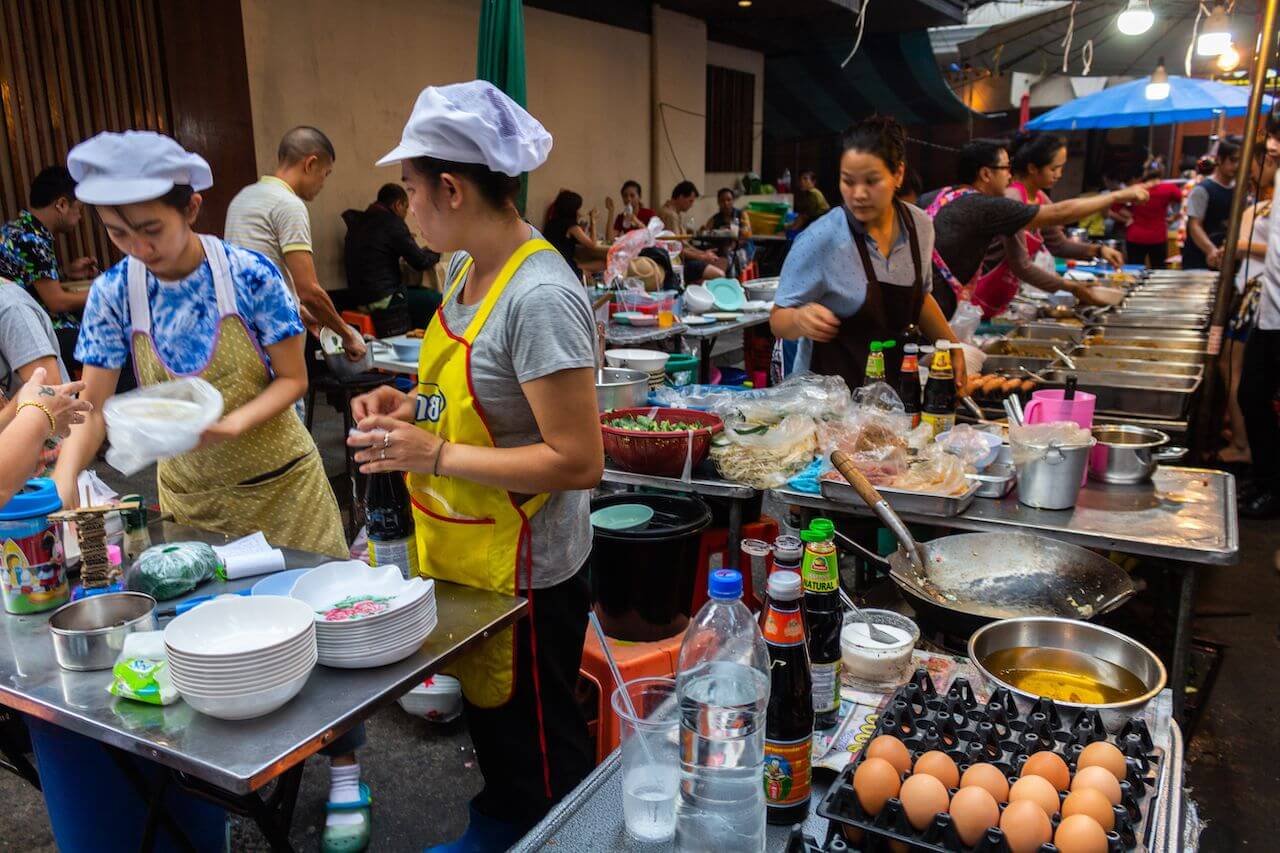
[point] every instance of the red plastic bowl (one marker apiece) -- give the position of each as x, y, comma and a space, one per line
660, 454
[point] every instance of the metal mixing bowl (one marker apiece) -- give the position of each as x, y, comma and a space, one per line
89, 634
1071, 635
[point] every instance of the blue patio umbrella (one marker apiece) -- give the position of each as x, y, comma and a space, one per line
1126, 105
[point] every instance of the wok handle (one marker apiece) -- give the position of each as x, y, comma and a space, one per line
872, 497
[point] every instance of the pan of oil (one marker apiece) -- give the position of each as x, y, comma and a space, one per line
1077, 664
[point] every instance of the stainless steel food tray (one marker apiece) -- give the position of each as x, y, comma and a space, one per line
1148, 338
995, 482
1154, 321
1087, 362
1010, 363
1021, 348
1046, 331
903, 501
1149, 395
1183, 356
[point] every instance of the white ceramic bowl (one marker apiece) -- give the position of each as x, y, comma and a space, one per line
239, 625
438, 699
252, 682
647, 360
248, 706
407, 349
337, 639
332, 583
698, 300
238, 665
380, 658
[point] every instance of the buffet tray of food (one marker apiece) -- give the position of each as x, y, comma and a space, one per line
836, 488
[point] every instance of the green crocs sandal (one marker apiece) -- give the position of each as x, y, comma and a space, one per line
354, 837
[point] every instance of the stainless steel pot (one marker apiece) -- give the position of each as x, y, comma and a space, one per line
89, 634
620, 388
1050, 477
1047, 632
335, 356
1129, 454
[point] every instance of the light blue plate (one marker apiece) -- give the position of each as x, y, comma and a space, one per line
281, 583
727, 292
622, 517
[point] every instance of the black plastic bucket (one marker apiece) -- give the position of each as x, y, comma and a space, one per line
642, 579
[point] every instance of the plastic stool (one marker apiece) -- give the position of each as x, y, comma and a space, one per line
635, 660
750, 272
362, 321
715, 546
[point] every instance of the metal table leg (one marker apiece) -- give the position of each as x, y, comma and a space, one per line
273, 814
1182, 638
12, 756
157, 815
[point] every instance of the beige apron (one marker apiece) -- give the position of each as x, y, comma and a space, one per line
222, 487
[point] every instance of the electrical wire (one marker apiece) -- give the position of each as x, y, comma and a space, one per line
1066, 40
861, 24
1086, 55
1195, 29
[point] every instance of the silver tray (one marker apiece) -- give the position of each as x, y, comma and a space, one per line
1023, 348
1145, 395
1087, 362
1047, 331
1155, 321
996, 482
1149, 354
1010, 363
904, 501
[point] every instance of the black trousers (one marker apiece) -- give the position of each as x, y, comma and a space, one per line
534, 749
1259, 381
1152, 255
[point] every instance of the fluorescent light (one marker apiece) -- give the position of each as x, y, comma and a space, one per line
1229, 58
1136, 19
1215, 35
1158, 84
744, 4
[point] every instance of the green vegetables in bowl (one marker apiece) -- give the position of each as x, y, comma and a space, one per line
644, 423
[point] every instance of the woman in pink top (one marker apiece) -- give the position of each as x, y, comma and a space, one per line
1147, 239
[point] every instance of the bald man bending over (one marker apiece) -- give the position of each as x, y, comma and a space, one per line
271, 217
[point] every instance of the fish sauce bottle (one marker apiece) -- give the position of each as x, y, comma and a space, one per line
788, 732
824, 619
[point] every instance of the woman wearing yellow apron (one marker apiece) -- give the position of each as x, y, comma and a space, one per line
501, 443
186, 304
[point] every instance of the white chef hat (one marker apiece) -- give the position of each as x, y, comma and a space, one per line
473, 122
137, 165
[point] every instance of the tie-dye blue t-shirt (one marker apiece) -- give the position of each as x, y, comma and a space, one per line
184, 314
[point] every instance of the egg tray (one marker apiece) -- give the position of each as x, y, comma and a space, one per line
996, 733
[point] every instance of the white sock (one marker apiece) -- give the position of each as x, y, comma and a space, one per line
344, 787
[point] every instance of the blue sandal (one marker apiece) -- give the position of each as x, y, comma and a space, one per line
351, 838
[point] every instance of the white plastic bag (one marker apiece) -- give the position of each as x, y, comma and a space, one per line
158, 422
965, 320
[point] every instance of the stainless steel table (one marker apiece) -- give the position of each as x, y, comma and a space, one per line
1184, 518
736, 493
224, 760
706, 337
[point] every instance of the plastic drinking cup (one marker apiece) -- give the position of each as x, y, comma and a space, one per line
1047, 406
650, 757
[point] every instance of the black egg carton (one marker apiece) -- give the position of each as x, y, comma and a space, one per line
996, 733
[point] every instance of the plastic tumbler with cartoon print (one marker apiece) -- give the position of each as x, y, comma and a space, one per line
32, 578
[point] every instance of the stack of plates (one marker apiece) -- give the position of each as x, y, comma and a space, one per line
241, 656
366, 616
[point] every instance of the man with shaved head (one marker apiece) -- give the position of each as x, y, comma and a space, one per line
271, 217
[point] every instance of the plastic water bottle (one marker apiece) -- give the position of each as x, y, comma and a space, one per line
723, 687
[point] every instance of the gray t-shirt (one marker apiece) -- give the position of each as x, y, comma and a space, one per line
542, 324
25, 335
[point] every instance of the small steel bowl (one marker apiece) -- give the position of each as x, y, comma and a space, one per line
1073, 635
89, 634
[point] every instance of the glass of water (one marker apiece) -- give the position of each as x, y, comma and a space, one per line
650, 756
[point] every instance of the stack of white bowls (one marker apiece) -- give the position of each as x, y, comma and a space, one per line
366, 616
241, 656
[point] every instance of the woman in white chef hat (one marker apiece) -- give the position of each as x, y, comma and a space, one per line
501, 442
187, 304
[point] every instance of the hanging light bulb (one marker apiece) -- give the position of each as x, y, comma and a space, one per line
1215, 35
1158, 85
1229, 58
1136, 19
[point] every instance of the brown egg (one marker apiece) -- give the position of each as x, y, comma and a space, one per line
973, 811
1103, 754
1092, 802
891, 750
1049, 765
1100, 778
1080, 834
987, 776
852, 834
940, 766
923, 796
1038, 790
875, 781
1025, 826
898, 847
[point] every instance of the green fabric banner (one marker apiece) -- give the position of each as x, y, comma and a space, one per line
500, 57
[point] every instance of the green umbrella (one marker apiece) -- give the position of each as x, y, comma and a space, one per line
500, 55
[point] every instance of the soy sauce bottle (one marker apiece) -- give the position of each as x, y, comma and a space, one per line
788, 734
824, 619
389, 523
940, 391
909, 383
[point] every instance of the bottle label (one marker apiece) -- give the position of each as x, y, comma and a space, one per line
826, 686
875, 367
784, 628
939, 423
820, 572
787, 771
395, 552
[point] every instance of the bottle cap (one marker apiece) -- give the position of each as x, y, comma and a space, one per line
926, 348
825, 526
876, 346
785, 585
942, 345
888, 344
785, 547
725, 584
812, 535
910, 348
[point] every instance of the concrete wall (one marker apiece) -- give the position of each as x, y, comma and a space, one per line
354, 70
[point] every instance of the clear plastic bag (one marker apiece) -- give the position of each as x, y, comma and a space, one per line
765, 457
819, 397
172, 569
967, 444
965, 320
158, 421
879, 396
628, 247
881, 466
141, 673
934, 471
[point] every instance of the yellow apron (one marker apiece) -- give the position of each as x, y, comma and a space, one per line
223, 487
468, 533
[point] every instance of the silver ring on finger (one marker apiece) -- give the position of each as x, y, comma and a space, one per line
386, 440
382, 455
